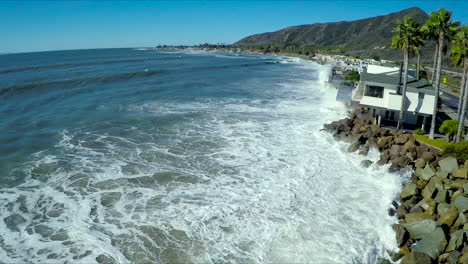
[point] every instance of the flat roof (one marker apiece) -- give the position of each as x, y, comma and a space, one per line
394, 79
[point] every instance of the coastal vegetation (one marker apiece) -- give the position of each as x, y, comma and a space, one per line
352, 76
449, 128
459, 150
439, 143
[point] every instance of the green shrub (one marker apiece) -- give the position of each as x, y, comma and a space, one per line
419, 131
457, 150
450, 128
352, 76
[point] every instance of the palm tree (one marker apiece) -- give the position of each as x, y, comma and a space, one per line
429, 33
459, 55
439, 23
418, 64
407, 37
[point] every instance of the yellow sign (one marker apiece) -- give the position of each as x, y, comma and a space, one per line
444, 80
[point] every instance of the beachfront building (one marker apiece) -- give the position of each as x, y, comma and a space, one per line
380, 87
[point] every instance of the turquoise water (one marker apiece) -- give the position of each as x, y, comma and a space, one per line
136, 155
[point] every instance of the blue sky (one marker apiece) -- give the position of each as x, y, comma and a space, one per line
55, 25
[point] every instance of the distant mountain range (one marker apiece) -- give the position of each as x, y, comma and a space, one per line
367, 37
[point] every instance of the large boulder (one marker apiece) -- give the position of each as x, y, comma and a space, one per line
460, 173
401, 161
416, 209
409, 218
432, 244
456, 240
429, 206
442, 208
401, 211
441, 196
435, 183
384, 142
401, 234
409, 146
461, 203
449, 216
384, 157
353, 147
418, 229
376, 130
449, 258
428, 156
395, 151
461, 220
421, 184
420, 150
409, 190
416, 258
412, 201
410, 155
402, 139
427, 172
448, 164
442, 174
458, 184
420, 163
366, 163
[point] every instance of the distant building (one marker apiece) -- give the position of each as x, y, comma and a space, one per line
380, 89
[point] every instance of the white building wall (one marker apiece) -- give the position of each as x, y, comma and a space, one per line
378, 69
373, 101
392, 101
423, 106
381, 69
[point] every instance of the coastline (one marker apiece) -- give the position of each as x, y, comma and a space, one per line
432, 208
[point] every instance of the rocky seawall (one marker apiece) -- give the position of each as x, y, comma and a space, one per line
432, 209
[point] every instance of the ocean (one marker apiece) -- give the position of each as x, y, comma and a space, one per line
145, 156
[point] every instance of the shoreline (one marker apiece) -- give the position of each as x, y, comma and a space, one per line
432, 207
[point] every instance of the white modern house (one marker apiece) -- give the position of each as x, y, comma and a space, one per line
380, 87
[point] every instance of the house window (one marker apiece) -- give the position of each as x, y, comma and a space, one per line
389, 115
421, 95
374, 91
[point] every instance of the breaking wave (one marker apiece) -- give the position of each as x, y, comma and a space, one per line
213, 179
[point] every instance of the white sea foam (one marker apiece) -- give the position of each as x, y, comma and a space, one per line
249, 181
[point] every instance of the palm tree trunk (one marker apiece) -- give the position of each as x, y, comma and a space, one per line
435, 63
462, 90
417, 66
403, 91
437, 73
465, 98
